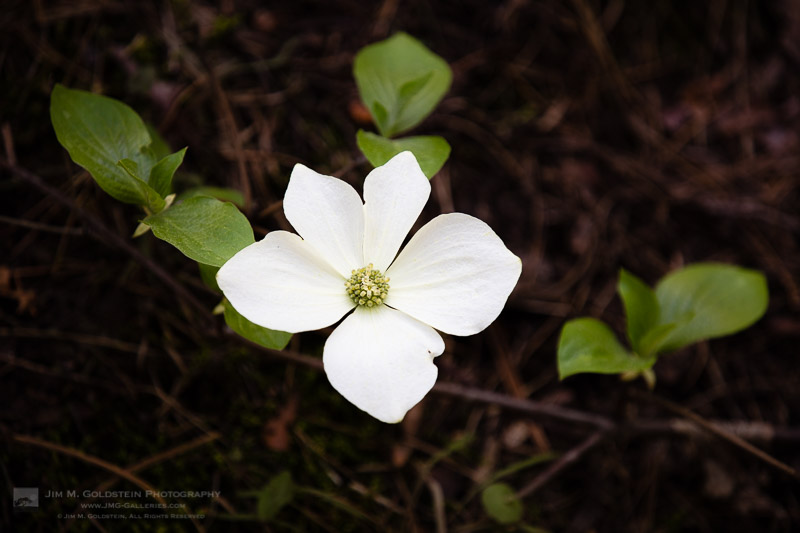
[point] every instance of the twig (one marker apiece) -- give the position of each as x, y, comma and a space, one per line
758, 431
163, 456
40, 227
105, 465
437, 496
385, 17
14, 361
722, 433
175, 405
229, 122
599, 43
561, 463
8, 143
154, 460
527, 406
96, 227
92, 340
752, 431
338, 469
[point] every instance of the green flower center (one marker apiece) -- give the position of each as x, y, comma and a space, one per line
367, 286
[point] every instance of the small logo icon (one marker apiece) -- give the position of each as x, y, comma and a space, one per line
26, 498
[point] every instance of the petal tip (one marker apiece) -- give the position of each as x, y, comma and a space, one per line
389, 419
299, 166
405, 154
381, 361
405, 158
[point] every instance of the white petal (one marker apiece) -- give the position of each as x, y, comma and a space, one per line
455, 275
381, 360
329, 215
394, 195
281, 283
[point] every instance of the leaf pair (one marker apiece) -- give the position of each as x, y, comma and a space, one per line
431, 151
401, 82
132, 164
700, 301
108, 138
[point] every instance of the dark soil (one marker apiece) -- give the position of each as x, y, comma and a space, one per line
590, 135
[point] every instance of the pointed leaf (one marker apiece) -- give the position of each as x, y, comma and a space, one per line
140, 230
708, 300
162, 172
152, 200
274, 496
204, 229
98, 132
431, 151
501, 503
411, 89
641, 308
400, 82
655, 337
277, 340
379, 113
588, 345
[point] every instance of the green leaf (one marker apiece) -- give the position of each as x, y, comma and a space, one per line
412, 88
650, 342
274, 496
204, 229
400, 81
707, 300
220, 193
277, 340
131, 167
431, 151
162, 172
588, 345
501, 503
379, 113
641, 308
208, 274
152, 200
99, 132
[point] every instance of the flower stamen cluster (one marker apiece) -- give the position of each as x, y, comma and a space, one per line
367, 286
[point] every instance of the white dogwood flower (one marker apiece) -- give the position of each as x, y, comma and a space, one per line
454, 275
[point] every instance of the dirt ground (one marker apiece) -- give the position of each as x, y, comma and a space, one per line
590, 135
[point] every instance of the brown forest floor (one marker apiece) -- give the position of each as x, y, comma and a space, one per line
590, 135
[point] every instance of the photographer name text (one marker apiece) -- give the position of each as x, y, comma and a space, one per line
132, 494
